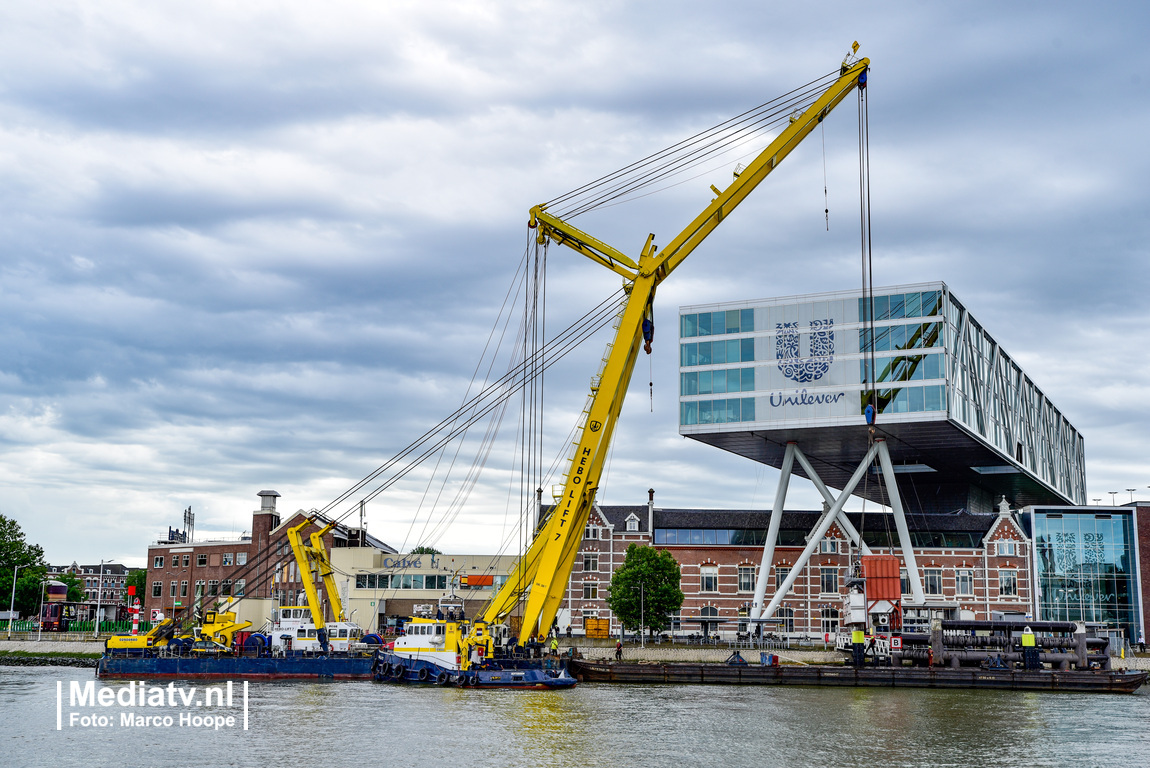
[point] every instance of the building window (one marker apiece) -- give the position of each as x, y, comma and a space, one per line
241, 558
187, 559
746, 578
828, 547
829, 581
157, 588
590, 561
591, 532
240, 584
173, 589
201, 561
709, 578
590, 590
632, 524
227, 558
781, 575
830, 619
1007, 549
158, 561
904, 581
788, 617
183, 589
933, 584
964, 582
213, 587
199, 588
1008, 583
226, 587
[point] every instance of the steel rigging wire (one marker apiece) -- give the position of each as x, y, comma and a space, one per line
688, 153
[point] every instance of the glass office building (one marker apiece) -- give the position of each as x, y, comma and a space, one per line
1085, 565
803, 368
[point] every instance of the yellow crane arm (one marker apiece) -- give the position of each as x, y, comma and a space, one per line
546, 569
312, 556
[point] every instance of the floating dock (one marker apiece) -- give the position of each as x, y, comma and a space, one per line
1091, 681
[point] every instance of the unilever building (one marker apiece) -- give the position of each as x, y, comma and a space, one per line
964, 424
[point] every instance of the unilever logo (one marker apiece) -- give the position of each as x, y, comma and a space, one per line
805, 369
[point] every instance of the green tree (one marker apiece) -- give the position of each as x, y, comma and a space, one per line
75, 586
28, 590
647, 586
15, 552
423, 549
136, 578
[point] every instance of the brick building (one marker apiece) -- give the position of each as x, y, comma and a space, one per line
258, 566
106, 583
972, 565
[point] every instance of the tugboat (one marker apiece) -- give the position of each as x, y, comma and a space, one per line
445, 649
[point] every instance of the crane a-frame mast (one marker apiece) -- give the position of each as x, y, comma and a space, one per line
545, 569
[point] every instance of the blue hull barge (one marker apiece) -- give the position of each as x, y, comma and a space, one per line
502, 673
234, 667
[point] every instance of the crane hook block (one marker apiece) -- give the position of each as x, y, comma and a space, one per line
869, 414
862, 80
648, 334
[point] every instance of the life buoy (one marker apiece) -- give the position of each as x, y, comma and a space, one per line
424, 674
441, 679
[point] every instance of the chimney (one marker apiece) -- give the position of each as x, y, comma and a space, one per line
651, 513
268, 501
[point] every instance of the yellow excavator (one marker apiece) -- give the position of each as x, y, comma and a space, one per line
542, 574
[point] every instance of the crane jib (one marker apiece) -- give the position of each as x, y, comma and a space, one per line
548, 564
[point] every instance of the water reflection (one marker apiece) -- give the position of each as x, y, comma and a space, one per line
341, 723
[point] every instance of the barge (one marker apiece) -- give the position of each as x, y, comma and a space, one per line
288, 666
1087, 681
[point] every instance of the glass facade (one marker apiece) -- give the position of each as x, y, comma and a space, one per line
806, 361
1085, 566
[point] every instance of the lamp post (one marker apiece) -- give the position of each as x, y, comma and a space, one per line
1131, 492
40, 615
99, 596
12, 602
1097, 501
1113, 503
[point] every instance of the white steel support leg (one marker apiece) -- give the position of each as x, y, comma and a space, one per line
847, 526
773, 531
900, 523
819, 532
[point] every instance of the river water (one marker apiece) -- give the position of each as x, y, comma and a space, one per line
337, 724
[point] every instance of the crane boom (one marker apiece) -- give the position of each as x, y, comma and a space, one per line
546, 568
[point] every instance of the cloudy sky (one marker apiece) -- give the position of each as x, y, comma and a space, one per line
261, 246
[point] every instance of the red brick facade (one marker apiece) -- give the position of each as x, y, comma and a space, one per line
718, 581
179, 572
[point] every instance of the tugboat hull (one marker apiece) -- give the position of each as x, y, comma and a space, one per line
391, 668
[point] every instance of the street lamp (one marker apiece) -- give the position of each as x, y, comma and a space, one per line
99, 595
40, 615
1097, 501
1131, 492
12, 603
1113, 503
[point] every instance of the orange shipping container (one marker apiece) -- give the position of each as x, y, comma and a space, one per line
882, 577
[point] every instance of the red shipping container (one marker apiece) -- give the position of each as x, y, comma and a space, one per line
882, 579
